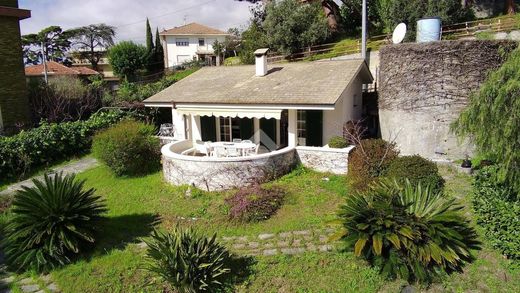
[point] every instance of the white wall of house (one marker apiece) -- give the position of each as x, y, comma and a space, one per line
176, 55
348, 107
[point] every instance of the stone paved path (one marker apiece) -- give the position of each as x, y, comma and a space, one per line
75, 167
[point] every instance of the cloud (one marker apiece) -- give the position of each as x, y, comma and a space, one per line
129, 16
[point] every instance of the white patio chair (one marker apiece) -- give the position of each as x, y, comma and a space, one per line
237, 140
201, 147
209, 148
219, 151
232, 152
247, 141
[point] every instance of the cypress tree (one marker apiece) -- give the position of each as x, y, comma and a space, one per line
150, 52
159, 51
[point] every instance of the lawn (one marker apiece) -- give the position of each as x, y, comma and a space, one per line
137, 203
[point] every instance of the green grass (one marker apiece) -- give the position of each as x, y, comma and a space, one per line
135, 203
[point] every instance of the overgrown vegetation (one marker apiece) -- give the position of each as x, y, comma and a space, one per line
51, 223
498, 211
417, 170
338, 142
408, 231
252, 204
128, 148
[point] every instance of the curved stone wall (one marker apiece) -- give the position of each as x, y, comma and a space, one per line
424, 87
214, 174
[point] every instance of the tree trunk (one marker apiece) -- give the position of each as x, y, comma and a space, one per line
331, 10
510, 7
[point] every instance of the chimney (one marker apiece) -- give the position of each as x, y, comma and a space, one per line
261, 61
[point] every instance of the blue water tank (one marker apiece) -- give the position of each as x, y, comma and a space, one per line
428, 29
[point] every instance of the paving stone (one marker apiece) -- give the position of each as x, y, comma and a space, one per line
297, 242
7, 280
30, 288
325, 248
228, 238
46, 279
311, 247
285, 235
323, 238
53, 288
268, 245
266, 236
239, 246
282, 243
270, 252
242, 239
307, 237
254, 244
26, 281
293, 250
41, 291
303, 232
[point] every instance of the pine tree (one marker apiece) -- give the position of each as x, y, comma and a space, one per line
159, 51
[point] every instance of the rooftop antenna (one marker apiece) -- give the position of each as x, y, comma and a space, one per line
185, 18
399, 33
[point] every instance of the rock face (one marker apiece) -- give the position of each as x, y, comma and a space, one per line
424, 87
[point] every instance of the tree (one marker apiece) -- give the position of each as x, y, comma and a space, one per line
55, 42
510, 6
491, 120
127, 58
291, 26
92, 41
159, 51
218, 48
232, 41
150, 49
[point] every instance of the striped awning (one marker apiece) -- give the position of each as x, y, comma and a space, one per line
236, 112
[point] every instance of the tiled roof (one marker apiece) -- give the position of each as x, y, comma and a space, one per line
193, 29
299, 83
54, 68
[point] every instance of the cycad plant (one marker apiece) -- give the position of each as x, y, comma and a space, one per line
51, 222
187, 261
408, 231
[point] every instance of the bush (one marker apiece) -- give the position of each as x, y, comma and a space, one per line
187, 261
417, 170
128, 148
127, 58
51, 222
50, 142
497, 208
370, 160
409, 232
338, 142
252, 204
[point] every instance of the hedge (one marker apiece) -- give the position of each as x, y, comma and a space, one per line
50, 142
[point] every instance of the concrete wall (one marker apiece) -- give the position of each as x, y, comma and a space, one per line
424, 87
14, 102
324, 159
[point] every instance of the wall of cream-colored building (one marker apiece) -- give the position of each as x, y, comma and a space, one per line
348, 107
173, 51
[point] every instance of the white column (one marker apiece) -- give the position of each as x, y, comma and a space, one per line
278, 132
292, 129
256, 128
195, 128
179, 125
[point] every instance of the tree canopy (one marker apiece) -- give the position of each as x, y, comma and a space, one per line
127, 58
55, 42
492, 119
92, 41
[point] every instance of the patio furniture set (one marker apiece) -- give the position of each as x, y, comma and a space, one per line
236, 148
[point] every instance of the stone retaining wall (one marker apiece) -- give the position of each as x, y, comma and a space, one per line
324, 159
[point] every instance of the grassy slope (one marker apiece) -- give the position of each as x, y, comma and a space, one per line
116, 266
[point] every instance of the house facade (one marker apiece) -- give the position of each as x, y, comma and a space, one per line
288, 111
103, 65
14, 104
190, 42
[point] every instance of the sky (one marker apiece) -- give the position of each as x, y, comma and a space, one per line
129, 16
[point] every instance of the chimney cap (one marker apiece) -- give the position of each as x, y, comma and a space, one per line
261, 52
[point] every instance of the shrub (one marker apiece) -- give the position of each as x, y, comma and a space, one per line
50, 142
497, 208
187, 261
127, 58
338, 142
252, 204
417, 170
128, 148
408, 231
51, 222
369, 160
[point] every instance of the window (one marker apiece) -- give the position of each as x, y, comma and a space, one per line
182, 42
301, 127
225, 129
201, 42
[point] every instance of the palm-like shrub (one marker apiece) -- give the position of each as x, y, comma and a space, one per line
417, 170
51, 222
408, 231
187, 261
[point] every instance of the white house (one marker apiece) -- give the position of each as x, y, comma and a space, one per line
190, 42
288, 110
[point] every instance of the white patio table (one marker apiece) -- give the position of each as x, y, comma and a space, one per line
230, 146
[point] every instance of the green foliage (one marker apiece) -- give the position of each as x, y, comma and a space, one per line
55, 41
50, 142
252, 39
491, 120
370, 160
291, 26
51, 222
159, 51
338, 142
253, 204
91, 41
128, 148
408, 232
187, 261
126, 58
417, 170
497, 207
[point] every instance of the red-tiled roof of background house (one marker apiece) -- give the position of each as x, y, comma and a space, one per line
54, 68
